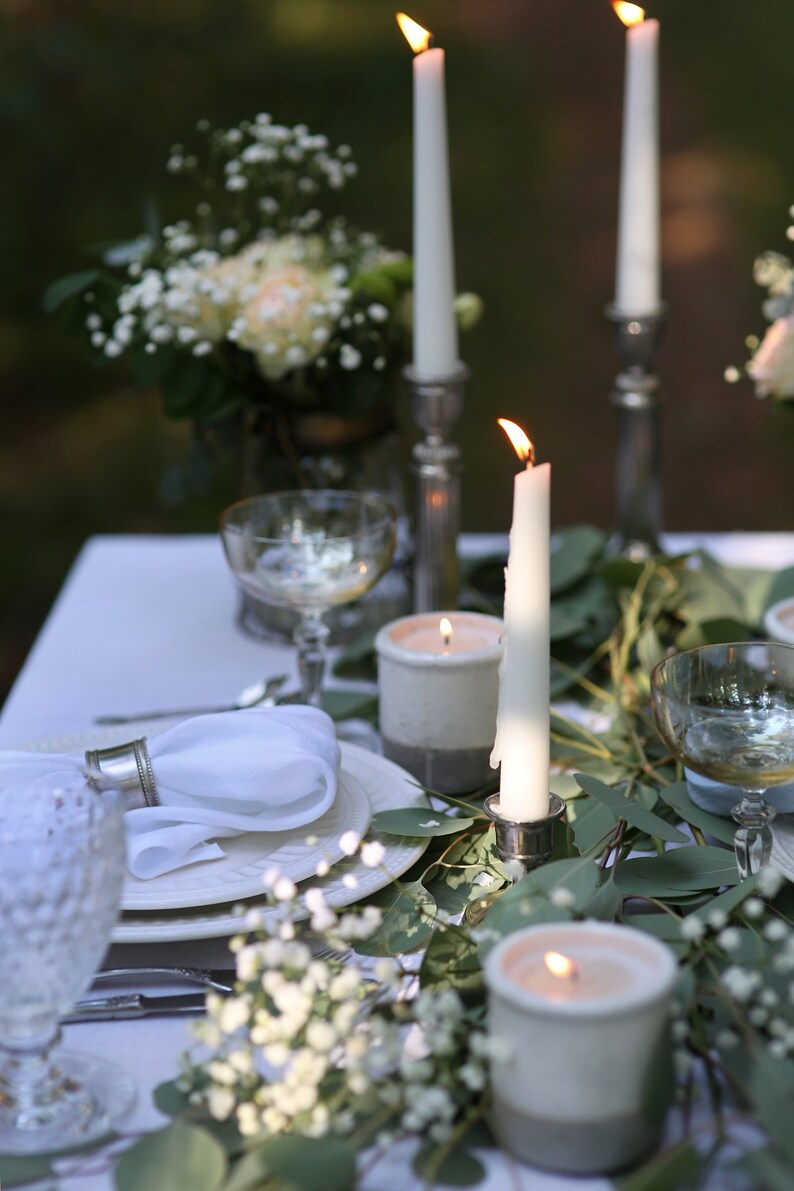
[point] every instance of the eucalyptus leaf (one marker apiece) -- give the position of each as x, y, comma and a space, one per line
348, 705
418, 821
64, 288
634, 814
357, 660
505, 917
17, 1170
692, 868
170, 1098
591, 822
578, 877
729, 899
769, 1168
772, 1091
564, 622
573, 551
408, 916
448, 1168
605, 902
299, 1162
781, 587
173, 1159
678, 798
451, 960
664, 927
680, 1167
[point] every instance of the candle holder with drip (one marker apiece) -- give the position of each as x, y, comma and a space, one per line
436, 405
638, 470
530, 843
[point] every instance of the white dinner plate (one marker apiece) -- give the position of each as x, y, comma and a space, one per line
238, 873
384, 786
387, 787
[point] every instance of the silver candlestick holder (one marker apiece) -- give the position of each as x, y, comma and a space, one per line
436, 462
528, 842
636, 398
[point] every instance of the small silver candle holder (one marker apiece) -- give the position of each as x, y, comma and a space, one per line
436, 405
638, 470
528, 842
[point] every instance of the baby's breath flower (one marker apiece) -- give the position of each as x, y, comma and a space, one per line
373, 853
692, 928
349, 843
729, 938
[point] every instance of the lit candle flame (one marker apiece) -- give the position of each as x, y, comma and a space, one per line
522, 444
417, 37
559, 965
445, 629
630, 14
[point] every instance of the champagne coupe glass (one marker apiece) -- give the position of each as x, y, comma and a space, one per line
727, 712
308, 551
61, 870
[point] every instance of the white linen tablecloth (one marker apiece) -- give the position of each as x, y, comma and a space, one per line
149, 622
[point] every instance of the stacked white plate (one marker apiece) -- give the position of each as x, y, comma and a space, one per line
204, 900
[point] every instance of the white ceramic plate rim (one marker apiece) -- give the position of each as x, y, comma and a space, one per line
387, 787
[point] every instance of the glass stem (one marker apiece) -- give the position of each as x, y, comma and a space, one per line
30, 1088
753, 839
310, 637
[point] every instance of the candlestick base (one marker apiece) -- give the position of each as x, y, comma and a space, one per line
436, 405
529, 842
638, 471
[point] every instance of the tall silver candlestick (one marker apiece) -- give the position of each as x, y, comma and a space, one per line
436, 406
638, 473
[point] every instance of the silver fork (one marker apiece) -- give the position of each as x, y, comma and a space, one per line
209, 978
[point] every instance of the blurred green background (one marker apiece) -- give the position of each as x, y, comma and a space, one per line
94, 92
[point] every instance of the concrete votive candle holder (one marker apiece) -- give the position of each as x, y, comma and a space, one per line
438, 680
581, 1072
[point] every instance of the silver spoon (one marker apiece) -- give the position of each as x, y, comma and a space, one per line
253, 696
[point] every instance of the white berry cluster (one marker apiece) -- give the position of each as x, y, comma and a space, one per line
316, 1040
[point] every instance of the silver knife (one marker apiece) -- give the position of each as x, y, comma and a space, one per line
130, 1005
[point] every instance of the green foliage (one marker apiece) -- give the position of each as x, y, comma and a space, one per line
620, 857
415, 821
448, 1167
308, 1163
177, 1157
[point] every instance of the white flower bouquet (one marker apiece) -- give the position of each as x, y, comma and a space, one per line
259, 302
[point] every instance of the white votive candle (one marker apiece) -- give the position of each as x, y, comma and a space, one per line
439, 689
600, 1025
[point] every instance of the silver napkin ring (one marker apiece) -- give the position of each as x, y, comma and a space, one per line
125, 767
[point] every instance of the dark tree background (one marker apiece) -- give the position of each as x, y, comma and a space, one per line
94, 92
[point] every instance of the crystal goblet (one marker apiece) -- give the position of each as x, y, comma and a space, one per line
309, 551
61, 870
727, 712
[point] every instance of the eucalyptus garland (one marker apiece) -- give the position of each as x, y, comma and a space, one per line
350, 1033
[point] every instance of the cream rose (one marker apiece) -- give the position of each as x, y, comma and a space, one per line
772, 366
286, 321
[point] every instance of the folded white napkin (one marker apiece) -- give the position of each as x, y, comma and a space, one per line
260, 769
